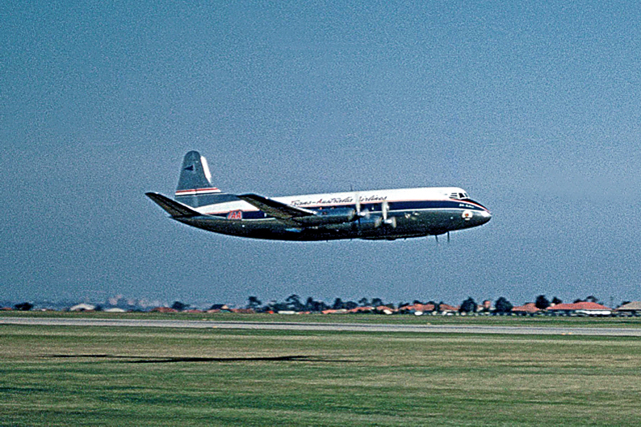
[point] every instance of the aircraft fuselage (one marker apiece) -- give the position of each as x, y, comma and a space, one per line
377, 214
410, 213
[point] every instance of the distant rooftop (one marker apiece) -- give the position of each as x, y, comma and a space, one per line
578, 306
631, 306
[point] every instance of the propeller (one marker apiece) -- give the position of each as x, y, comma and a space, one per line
385, 211
360, 214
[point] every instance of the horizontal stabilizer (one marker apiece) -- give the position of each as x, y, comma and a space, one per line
276, 209
173, 208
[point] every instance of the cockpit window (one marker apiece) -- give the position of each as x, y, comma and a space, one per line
460, 196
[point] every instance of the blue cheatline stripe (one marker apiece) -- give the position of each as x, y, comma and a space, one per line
434, 204
376, 207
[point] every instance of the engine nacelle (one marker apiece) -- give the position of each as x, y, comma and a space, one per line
363, 224
328, 216
370, 223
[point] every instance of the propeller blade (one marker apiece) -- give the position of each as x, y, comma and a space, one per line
385, 212
359, 212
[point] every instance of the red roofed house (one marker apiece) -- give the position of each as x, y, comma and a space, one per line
524, 310
332, 311
446, 309
361, 310
417, 308
581, 309
385, 309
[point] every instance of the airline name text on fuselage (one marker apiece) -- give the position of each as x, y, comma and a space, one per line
339, 201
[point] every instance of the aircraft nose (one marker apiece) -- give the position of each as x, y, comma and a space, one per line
484, 217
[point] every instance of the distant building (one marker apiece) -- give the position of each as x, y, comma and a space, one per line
417, 308
361, 310
83, 307
383, 309
485, 306
580, 309
526, 309
630, 309
217, 308
332, 311
447, 309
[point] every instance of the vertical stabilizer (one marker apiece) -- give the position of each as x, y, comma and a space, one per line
194, 185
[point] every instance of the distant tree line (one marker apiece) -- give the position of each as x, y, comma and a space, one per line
295, 303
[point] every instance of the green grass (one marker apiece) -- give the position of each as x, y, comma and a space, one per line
151, 376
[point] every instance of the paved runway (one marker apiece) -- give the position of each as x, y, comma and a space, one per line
301, 326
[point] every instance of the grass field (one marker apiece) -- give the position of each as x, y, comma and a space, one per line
150, 376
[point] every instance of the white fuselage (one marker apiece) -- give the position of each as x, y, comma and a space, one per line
377, 214
382, 214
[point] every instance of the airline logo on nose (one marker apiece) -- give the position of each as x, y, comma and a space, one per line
467, 215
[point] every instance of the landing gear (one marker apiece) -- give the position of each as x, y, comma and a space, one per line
436, 237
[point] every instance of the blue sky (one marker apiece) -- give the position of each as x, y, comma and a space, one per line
532, 107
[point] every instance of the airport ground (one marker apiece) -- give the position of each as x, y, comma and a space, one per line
407, 319
135, 375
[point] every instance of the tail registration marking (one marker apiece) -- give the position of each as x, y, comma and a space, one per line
235, 215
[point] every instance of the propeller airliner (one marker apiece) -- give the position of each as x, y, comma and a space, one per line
372, 215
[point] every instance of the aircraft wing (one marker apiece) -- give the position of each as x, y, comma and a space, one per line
276, 209
172, 207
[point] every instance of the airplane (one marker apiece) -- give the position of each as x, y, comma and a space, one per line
371, 215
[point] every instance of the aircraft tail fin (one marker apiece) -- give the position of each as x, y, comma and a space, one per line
194, 185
